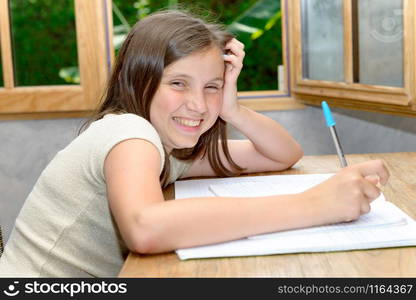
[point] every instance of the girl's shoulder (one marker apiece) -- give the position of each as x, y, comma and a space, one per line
122, 119
123, 126
103, 134
127, 124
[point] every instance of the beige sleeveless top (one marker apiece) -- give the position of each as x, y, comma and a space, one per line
65, 228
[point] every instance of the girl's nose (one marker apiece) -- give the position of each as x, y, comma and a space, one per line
196, 102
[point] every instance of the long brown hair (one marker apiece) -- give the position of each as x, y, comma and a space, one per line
153, 43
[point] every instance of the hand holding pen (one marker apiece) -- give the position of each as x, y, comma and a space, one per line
348, 194
330, 122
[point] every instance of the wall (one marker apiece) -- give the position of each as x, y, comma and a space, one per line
358, 131
27, 146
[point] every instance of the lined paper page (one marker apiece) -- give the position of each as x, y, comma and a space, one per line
385, 226
270, 185
201, 187
382, 213
394, 236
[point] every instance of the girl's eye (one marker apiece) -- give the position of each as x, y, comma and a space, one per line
213, 88
178, 84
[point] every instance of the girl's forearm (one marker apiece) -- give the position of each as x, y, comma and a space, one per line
268, 137
198, 221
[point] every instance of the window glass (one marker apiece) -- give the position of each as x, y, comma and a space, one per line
262, 18
323, 40
380, 42
43, 41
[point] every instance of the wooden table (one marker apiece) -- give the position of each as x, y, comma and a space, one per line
389, 262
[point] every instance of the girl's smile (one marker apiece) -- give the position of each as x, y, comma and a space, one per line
188, 125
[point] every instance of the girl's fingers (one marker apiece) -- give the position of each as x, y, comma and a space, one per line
365, 208
233, 61
236, 51
239, 44
236, 42
230, 58
234, 57
373, 167
371, 191
236, 47
374, 179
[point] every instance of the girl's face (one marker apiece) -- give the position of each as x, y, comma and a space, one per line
188, 100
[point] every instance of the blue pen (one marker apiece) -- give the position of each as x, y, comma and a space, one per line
330, 122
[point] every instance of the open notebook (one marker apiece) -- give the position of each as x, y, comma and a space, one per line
384, 226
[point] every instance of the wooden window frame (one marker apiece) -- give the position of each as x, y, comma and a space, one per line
385, 99
275, 99
95, 57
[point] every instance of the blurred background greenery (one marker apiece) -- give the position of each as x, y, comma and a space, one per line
44, 38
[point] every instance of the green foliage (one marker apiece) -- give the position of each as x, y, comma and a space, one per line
254, 21
45, 45
263, 44
143, 8
44, 40
261, 62
259, 28
70, 74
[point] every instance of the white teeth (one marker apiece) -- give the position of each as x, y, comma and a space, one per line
186, 122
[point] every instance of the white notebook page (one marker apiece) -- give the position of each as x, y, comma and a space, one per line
382, 213
385, 226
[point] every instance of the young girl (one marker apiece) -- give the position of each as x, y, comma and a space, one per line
171, 93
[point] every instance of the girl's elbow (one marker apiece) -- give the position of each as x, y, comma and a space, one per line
145, 240
297, 154
144, 244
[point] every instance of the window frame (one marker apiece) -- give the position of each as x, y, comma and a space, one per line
348, 94
95, 56
275, 99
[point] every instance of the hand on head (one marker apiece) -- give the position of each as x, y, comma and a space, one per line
233, 58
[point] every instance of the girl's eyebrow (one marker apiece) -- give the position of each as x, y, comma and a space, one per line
178, 75
217, 79
183, 75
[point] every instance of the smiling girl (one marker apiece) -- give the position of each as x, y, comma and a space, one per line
172, 91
